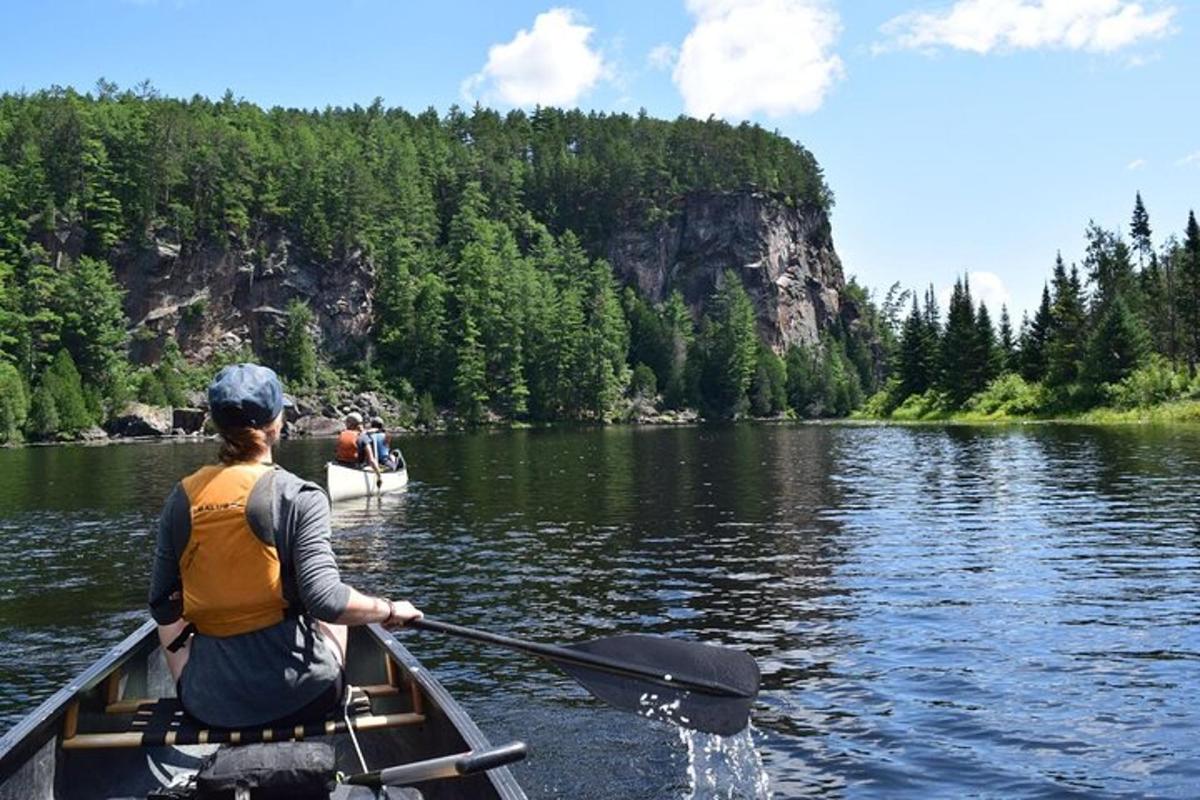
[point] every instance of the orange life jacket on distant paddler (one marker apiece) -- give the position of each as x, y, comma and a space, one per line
347, 447
230, 571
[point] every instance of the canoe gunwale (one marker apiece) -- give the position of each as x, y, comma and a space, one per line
502, 779
30, 734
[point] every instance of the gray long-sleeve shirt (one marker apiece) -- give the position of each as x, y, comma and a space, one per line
254, 678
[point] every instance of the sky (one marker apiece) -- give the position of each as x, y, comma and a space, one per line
960, 137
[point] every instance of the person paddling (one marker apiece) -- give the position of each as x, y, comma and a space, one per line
243, 562
377, 447
349, 444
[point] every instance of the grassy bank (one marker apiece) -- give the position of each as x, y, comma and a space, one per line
1180, 412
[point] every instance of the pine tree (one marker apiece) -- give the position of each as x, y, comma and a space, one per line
1033, 343
768, 385
1189, 292
42, 422
1139, 231
1117, 345
470, 379
298, 351
727, 347
1065, 342
679, 334
987, 357
960, 347
14, 403
603, 371
1110, 270
1008, 346
93, 324
917, 354
802, 389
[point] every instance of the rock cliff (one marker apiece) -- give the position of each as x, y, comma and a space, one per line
212, 297
783, 255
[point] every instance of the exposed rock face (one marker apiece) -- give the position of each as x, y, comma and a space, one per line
314, 425
139, 419
213, 297
784, 256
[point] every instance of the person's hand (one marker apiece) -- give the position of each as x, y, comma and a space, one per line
402, 613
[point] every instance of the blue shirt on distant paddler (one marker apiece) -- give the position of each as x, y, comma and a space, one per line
243, 560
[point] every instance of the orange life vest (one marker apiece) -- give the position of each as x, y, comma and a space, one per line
231, 578
347, 447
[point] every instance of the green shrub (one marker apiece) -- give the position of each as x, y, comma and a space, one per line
1153, 383
881, 404
1008, 395
928, 405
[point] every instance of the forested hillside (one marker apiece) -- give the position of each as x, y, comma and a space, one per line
1123, 331
483, 234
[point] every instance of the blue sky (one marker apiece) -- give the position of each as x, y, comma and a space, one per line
960, 136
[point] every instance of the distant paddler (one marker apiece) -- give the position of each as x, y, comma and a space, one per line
349, 452
376, 446
245, 587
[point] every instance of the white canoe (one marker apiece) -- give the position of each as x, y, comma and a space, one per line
346, 483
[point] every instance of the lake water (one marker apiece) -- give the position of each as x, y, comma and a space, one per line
938, 612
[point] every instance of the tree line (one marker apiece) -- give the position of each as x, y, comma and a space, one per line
1123, 330
484, 230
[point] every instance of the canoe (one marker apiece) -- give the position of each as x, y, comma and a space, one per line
115, 731
346, 483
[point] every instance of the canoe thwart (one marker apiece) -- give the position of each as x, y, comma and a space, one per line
163, 722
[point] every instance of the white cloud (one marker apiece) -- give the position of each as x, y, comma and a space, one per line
662, 56
1136, 164
550, 64
987, 288
1191, 160
983, 26
745, 56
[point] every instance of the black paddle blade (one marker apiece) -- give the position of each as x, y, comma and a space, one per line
697, 686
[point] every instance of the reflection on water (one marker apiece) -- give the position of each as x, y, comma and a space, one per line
937, 612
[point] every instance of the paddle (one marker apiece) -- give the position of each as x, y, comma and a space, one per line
698, 686
454, 766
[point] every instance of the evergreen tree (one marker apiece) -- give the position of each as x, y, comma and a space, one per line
1139, 231
1109, 269
470, 378
601, 368
14, 403
678, 335
917, 354
960, 347
1033, 354
727, 348
988, 358
803, 391
297, 349
1189, 291
1117, 345
42, 422
768, 385
1008, 345
1066, 339
172, 376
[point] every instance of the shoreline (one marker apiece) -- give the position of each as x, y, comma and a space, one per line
1177, 414
1181, 413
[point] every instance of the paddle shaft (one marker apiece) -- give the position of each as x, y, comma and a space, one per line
568, 655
